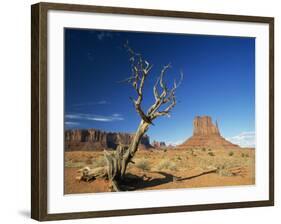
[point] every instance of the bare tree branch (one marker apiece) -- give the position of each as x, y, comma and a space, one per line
162, 94
140, 70
165, 97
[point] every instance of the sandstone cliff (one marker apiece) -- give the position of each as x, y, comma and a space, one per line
207, 135
157, 144
93, 139
204, 126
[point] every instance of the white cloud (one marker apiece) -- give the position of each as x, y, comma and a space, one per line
101, 102
70, 123
72, 116
100, 119
95, 117
102, 35
244, 139
174, 143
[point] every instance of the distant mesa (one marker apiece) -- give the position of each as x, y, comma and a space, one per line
204, 126
95, 140
157, 144
207, 135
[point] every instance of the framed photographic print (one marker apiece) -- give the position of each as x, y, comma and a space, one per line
138, 111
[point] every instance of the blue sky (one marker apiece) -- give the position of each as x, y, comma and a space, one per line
219, 81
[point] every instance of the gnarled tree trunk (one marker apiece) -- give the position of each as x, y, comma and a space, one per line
118, 161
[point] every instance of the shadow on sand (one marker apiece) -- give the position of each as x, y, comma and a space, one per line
133, 182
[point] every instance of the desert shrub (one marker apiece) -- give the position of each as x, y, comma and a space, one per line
89, 161
223, 168
192, 152
203, 149
166, 165
165, 150
179, 158
76, 160
98, 162
245, 155
231, 153
143, 164
224, 165
211, 154
209, 149
224, 172
74, 164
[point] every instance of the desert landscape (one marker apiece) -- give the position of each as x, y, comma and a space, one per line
158, 132
206, 159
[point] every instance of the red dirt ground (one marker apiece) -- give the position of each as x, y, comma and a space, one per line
168, 170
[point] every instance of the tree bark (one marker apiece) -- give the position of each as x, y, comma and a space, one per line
143, 127
118, 161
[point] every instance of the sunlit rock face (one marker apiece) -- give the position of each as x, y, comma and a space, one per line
206, 134
94, 139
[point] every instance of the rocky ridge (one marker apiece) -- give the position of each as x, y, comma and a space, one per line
157, 144
94, 139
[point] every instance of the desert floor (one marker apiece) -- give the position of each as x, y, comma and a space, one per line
167, 169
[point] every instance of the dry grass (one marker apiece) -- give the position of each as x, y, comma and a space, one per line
166, 164
90, 161
175, 161
224, 163
203, 159
98, 162
74, 164
231, 153
143, 164
231, 169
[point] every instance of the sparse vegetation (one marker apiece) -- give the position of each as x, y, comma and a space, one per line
74, 164
89, 161
244, 155
203, 149
179, 158
192, 151
230, 170
143, 164
231, 153
223, 171
211, 154
99, 162
166, 165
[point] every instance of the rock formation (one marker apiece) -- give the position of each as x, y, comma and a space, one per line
157, 144
207, 135
204, 126
94, 139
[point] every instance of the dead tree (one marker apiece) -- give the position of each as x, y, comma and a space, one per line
118, 160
